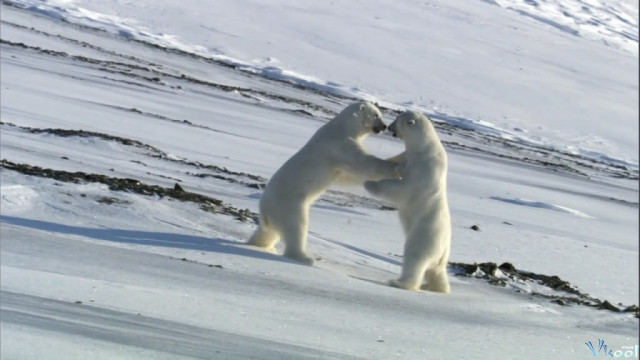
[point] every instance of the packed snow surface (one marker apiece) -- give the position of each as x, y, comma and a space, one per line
137, 136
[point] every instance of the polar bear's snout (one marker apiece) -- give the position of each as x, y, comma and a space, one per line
394, 128
378, 128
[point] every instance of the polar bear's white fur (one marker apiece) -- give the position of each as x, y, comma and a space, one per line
334, 153
421, 197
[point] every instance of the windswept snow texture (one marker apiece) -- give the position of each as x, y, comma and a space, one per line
136, 138
542, 205
614, 23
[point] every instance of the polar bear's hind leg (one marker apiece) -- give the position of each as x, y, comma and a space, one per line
264, 236
437, 280
413, 269
294, 235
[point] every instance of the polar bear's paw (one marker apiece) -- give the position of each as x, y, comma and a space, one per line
441, 286
264, 238
300, 257
437, 281
403, 285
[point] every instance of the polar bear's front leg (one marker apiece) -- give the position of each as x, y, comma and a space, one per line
400, 158
362, 166
389, 189
294, 235
355, 175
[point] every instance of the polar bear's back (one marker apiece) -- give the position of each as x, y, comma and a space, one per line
302, 177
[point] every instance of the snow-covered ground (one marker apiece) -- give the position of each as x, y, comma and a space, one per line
522, 68
537, 105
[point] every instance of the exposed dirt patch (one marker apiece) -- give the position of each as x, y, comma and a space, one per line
334, 197
151, 151
109, 200
233, 180
86, 134
480, 142
217, 266
132, 185
493, 145
153, 74
567, 294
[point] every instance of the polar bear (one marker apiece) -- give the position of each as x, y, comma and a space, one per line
421, 197
333, 154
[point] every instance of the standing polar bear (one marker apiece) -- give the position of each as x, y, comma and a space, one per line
334, 153
421, 197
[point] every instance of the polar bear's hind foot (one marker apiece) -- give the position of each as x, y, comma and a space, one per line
264, 238
403, 285
441, 288
437, 282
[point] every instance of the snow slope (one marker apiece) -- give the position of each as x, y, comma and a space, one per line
565, 72
89, 270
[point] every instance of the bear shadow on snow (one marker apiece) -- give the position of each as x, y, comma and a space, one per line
171, 240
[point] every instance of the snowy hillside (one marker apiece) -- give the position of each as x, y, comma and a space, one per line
137, 136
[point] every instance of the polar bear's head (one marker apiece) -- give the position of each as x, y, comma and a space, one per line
361, 119
414, 128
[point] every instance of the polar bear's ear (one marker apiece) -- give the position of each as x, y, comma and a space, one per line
411, 122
